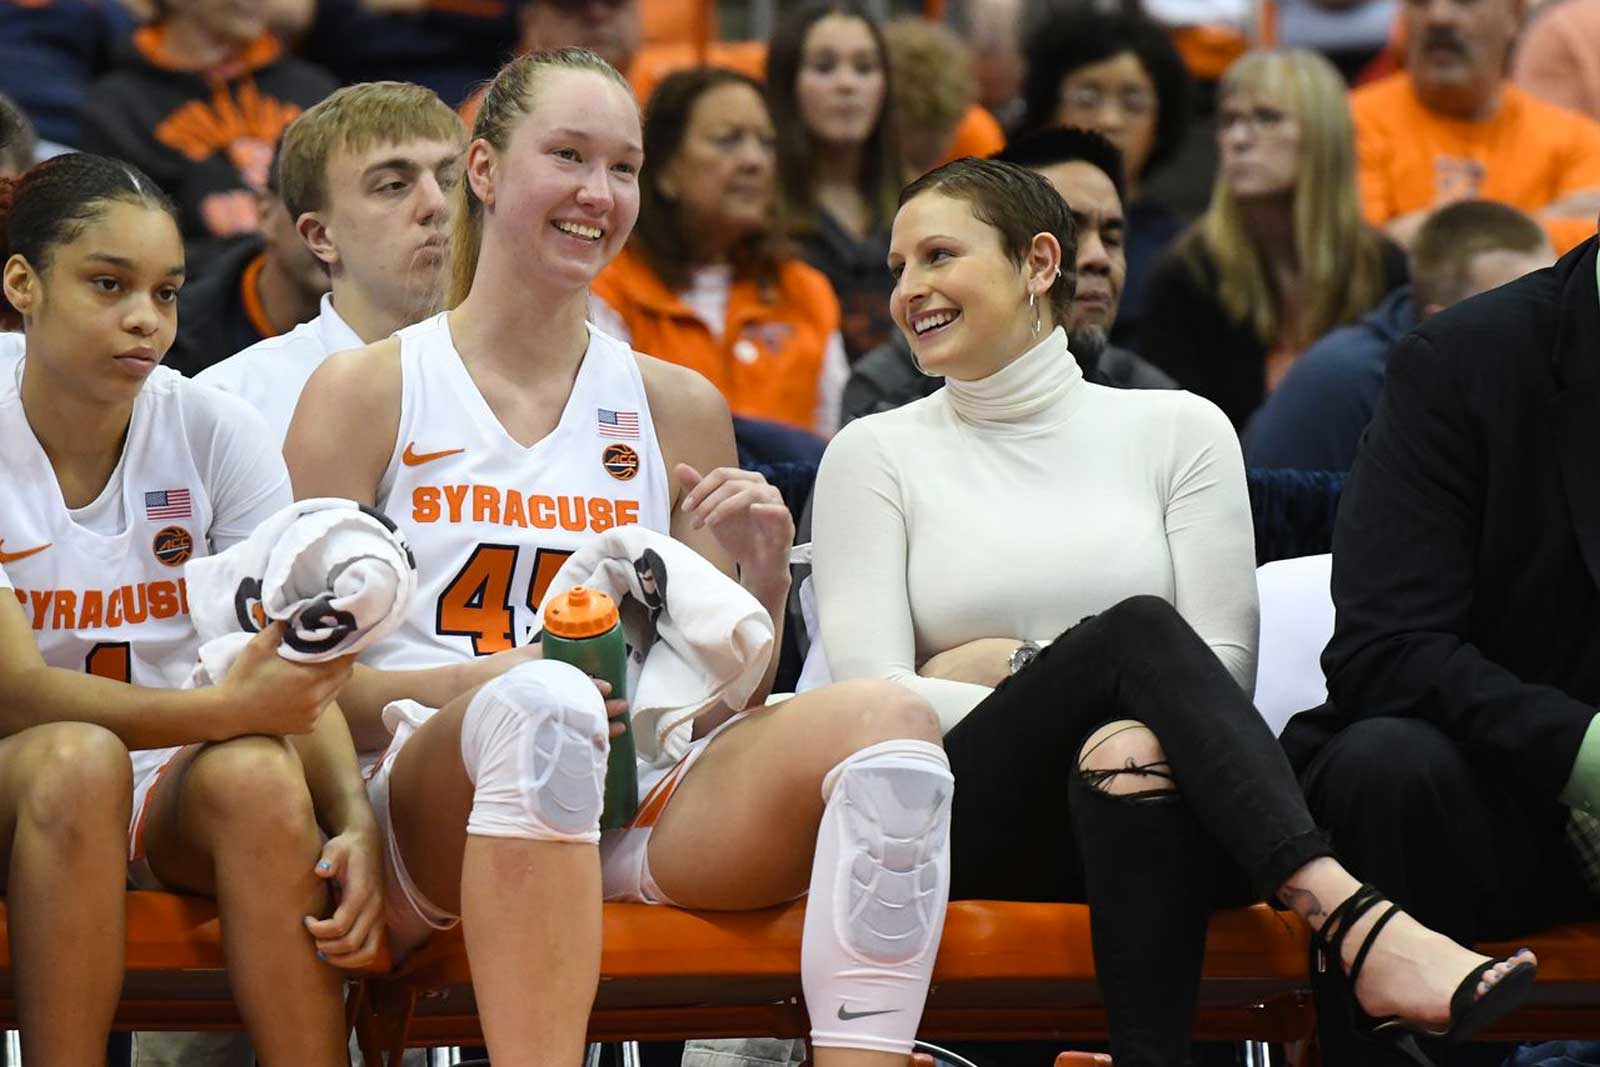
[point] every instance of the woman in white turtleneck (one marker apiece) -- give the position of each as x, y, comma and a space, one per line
1066, 572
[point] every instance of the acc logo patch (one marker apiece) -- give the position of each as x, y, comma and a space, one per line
173, 546
620, 461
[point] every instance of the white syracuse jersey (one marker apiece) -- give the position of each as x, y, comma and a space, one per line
491, 521
111, 604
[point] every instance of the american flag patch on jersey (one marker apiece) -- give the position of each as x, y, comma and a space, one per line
618, 423
167, 504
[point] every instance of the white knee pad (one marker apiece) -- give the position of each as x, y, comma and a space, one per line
879, 886
535, 742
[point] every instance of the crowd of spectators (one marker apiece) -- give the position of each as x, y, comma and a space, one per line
1424, 104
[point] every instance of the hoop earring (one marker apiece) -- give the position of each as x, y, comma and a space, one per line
1033, 302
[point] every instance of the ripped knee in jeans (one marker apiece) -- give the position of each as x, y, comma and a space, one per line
1125, 759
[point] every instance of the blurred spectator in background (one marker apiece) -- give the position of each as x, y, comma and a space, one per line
1558, 59
449, 47
17, 140
1120, 76
259, 286
993, 29
609, 28
51, 51
614, 30
1086, 170
1314, 420
707, 280
1348, 33
1452, 127
197, 102
1281, 256
933, 90
839, 163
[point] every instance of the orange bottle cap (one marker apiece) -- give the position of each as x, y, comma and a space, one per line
580, 612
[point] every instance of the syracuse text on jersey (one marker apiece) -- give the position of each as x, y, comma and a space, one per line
88, 609
512, 507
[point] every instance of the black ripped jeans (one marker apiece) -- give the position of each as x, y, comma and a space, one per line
1026, 825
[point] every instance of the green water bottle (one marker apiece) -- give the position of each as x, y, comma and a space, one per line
581, 627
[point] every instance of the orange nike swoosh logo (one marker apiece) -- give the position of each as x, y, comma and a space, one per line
412, 458
12, 557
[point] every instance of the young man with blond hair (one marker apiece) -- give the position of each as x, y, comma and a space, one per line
366, 174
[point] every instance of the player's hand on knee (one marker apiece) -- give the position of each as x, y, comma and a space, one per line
481, 670
267, 694
353, 865
616, 710
744, 512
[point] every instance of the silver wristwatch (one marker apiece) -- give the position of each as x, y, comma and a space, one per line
1023, 655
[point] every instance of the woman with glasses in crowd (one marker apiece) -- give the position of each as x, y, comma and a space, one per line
1120, 76
1281, 256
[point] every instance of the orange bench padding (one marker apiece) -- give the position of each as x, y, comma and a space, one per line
1001, 969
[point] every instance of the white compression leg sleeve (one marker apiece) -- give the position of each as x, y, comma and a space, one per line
535, 742
879, 885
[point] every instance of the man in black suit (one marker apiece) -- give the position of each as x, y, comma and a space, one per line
1458, 760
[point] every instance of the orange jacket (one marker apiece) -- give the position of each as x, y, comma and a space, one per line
768, 361
977, 134
1527, 155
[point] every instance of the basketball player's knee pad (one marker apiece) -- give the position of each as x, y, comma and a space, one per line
535, 742
879, 886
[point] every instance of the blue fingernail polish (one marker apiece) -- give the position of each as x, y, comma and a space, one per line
324, 865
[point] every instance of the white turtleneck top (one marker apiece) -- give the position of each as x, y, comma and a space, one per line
1015, 506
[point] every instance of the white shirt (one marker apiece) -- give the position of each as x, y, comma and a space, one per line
103, 585
491, 520
12, 346
1016, 505
270, 374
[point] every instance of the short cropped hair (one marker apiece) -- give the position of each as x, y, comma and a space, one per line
1064, 42
1448, 241
1018, 204
933, 82
356, 118
1067, 144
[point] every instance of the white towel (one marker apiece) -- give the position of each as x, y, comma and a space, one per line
695, 637
338, 575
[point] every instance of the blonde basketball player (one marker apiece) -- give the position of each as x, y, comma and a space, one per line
116, 471
482, 433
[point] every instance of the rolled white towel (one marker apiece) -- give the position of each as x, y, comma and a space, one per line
338, 575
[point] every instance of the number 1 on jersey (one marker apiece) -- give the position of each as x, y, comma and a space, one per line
477, 602
110, 659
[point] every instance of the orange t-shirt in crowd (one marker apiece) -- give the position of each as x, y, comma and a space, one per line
977, 134
1528, 155
768, 361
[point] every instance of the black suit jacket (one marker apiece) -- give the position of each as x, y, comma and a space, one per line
1466, 554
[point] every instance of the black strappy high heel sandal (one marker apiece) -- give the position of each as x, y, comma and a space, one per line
1469, 1012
